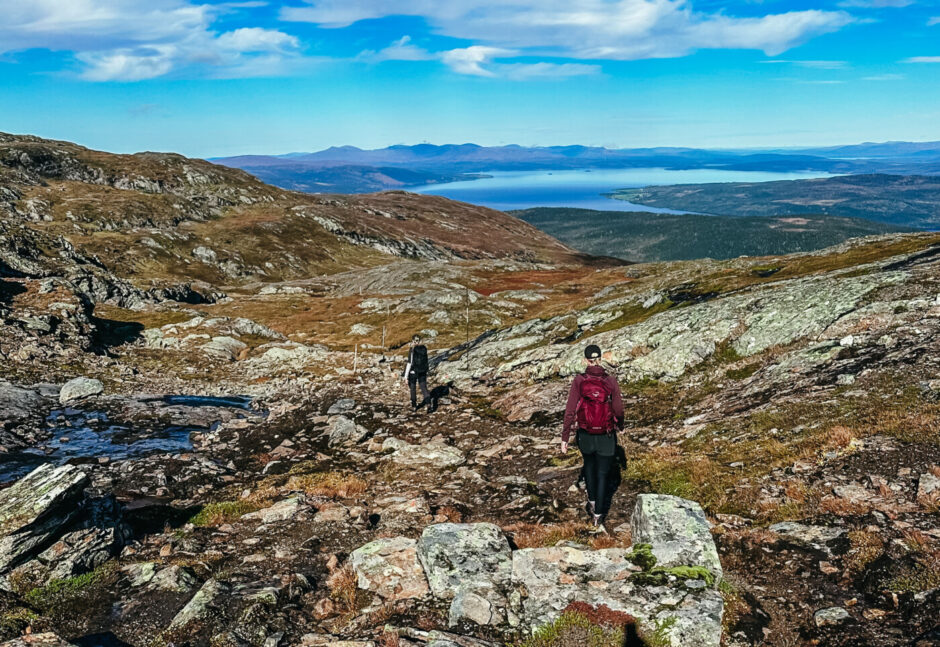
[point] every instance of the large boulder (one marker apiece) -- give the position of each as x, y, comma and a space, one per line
475, 556
470, 564
35, 509
486, 583
390, 568
79, 388
224, 347
343, 431
554, 577
17, 403
678, 532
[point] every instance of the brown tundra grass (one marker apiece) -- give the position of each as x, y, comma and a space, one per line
333, 485
344, 589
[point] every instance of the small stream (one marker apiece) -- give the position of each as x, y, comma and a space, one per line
80, 436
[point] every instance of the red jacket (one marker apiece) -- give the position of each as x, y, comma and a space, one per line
574, 397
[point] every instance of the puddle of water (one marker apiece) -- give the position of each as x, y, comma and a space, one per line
232, 401
82, 436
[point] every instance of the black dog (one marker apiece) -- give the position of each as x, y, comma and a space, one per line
437, 393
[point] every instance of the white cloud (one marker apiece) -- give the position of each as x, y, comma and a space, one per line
126, 40
586, 29
255, 39
884, 77
401, 50
922, 59
480, 61
933, 21
470, 60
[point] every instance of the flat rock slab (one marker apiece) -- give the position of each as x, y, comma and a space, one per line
817, 538
390, 568
201, 606
677, 530
37, 640
280, 511
35, 508
429, 454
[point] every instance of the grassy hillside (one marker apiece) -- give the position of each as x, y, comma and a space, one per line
910, 201
163, 217
665, 237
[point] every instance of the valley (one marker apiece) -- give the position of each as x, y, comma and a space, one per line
905, 200
649, 237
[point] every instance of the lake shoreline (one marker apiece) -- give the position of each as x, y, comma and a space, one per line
587, 188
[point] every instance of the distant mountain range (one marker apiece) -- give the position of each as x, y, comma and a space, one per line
347, 169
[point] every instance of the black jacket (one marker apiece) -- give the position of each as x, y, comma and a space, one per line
417, 361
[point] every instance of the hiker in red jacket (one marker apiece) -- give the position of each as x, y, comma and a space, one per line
595, 407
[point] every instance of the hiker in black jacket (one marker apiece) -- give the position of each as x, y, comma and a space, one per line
416, 372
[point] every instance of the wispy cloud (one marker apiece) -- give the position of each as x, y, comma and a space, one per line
877, 4
922, 59
481, 61
817, 65
884, 77
526, 71
125, 40
585, 29
933, 21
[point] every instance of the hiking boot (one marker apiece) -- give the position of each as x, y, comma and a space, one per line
598, 522
589, 508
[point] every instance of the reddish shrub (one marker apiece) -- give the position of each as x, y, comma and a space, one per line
601, 615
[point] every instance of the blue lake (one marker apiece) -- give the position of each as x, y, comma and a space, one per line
507, 190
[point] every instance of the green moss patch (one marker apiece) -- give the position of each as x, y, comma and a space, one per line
215, 514
642, 555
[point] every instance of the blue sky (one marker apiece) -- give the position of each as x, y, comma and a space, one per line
224, 78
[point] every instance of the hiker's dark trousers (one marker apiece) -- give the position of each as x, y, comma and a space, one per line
416, 379
598, 451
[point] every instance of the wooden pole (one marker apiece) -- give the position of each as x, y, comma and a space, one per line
356, 359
